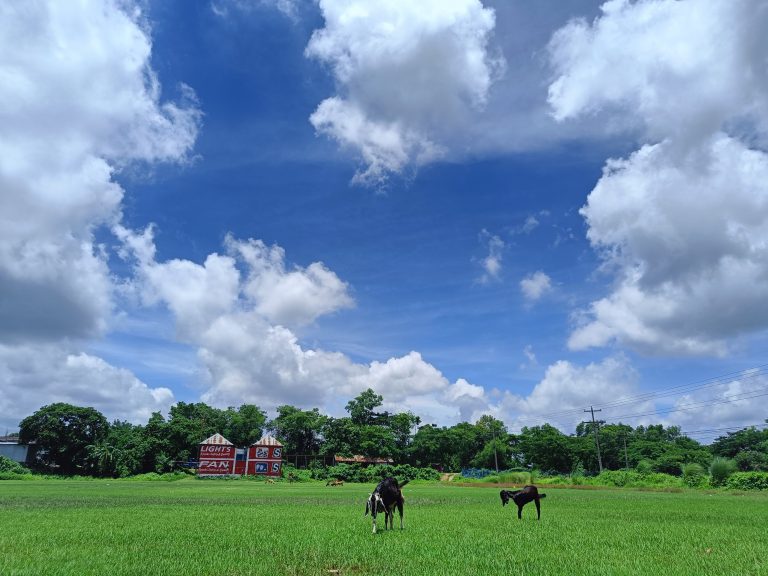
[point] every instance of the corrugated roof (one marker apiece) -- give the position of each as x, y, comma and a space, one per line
362, 460
267, 441
217, 439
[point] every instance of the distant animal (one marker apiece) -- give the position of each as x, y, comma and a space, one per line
521, 497
385, 498
335, 482
269, 481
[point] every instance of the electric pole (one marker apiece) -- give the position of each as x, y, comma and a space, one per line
597, 439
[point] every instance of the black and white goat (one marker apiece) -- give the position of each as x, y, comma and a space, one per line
521, 497
385, 498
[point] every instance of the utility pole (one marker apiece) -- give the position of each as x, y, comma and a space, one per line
597, 439
495, 456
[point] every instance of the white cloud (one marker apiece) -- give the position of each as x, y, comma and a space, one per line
684, 68
566, 390
79, 101
409, 75
681, 222
289, 8
689, 243
491, 264
37, 375
737, 402
535, 285
294, 297
239, 311
530, 357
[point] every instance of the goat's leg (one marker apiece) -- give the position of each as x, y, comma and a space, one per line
400, 510
520, 511
538, 509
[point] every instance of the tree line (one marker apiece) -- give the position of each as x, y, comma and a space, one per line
73, 440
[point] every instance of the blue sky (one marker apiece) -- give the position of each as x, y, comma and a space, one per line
471, 207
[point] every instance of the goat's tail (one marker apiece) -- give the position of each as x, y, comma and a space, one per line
404, 483
542, 495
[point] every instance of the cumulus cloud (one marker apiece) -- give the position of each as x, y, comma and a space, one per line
535, 285
566, 390
684, 68
732, 403
689, 241
409, 77
242, 310
41, 374
80, 102
681, 222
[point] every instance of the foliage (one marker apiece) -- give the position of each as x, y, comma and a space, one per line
368, 474
720, 468
12, 470
694, 475
74, 441
62, 433
748, 481
8, 465
298, 430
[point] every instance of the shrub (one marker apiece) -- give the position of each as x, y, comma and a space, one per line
748, 481
694, 475
11, 466
515, 477
720, 469
644, 467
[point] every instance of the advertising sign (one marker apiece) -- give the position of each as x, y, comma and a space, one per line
217, 452
206, 467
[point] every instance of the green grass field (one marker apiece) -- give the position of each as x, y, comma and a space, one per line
237, 528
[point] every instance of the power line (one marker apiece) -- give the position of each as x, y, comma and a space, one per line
742, 376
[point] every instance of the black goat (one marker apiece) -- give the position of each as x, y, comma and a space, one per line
385, 498
522, 497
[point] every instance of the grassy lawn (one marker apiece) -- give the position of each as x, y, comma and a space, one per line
236, 528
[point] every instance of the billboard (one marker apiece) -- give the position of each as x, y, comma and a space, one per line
264, 460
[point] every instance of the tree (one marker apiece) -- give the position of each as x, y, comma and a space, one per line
465, 443
299, 430
361, 408
546, 448
401, 426
496, 452
431, 445
340, 437
245, 425
189, 424
62, 433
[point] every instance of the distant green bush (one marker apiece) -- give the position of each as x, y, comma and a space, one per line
694, 475
720, 469
748, 481
155, 477
644, 467
371, 474
11, 466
